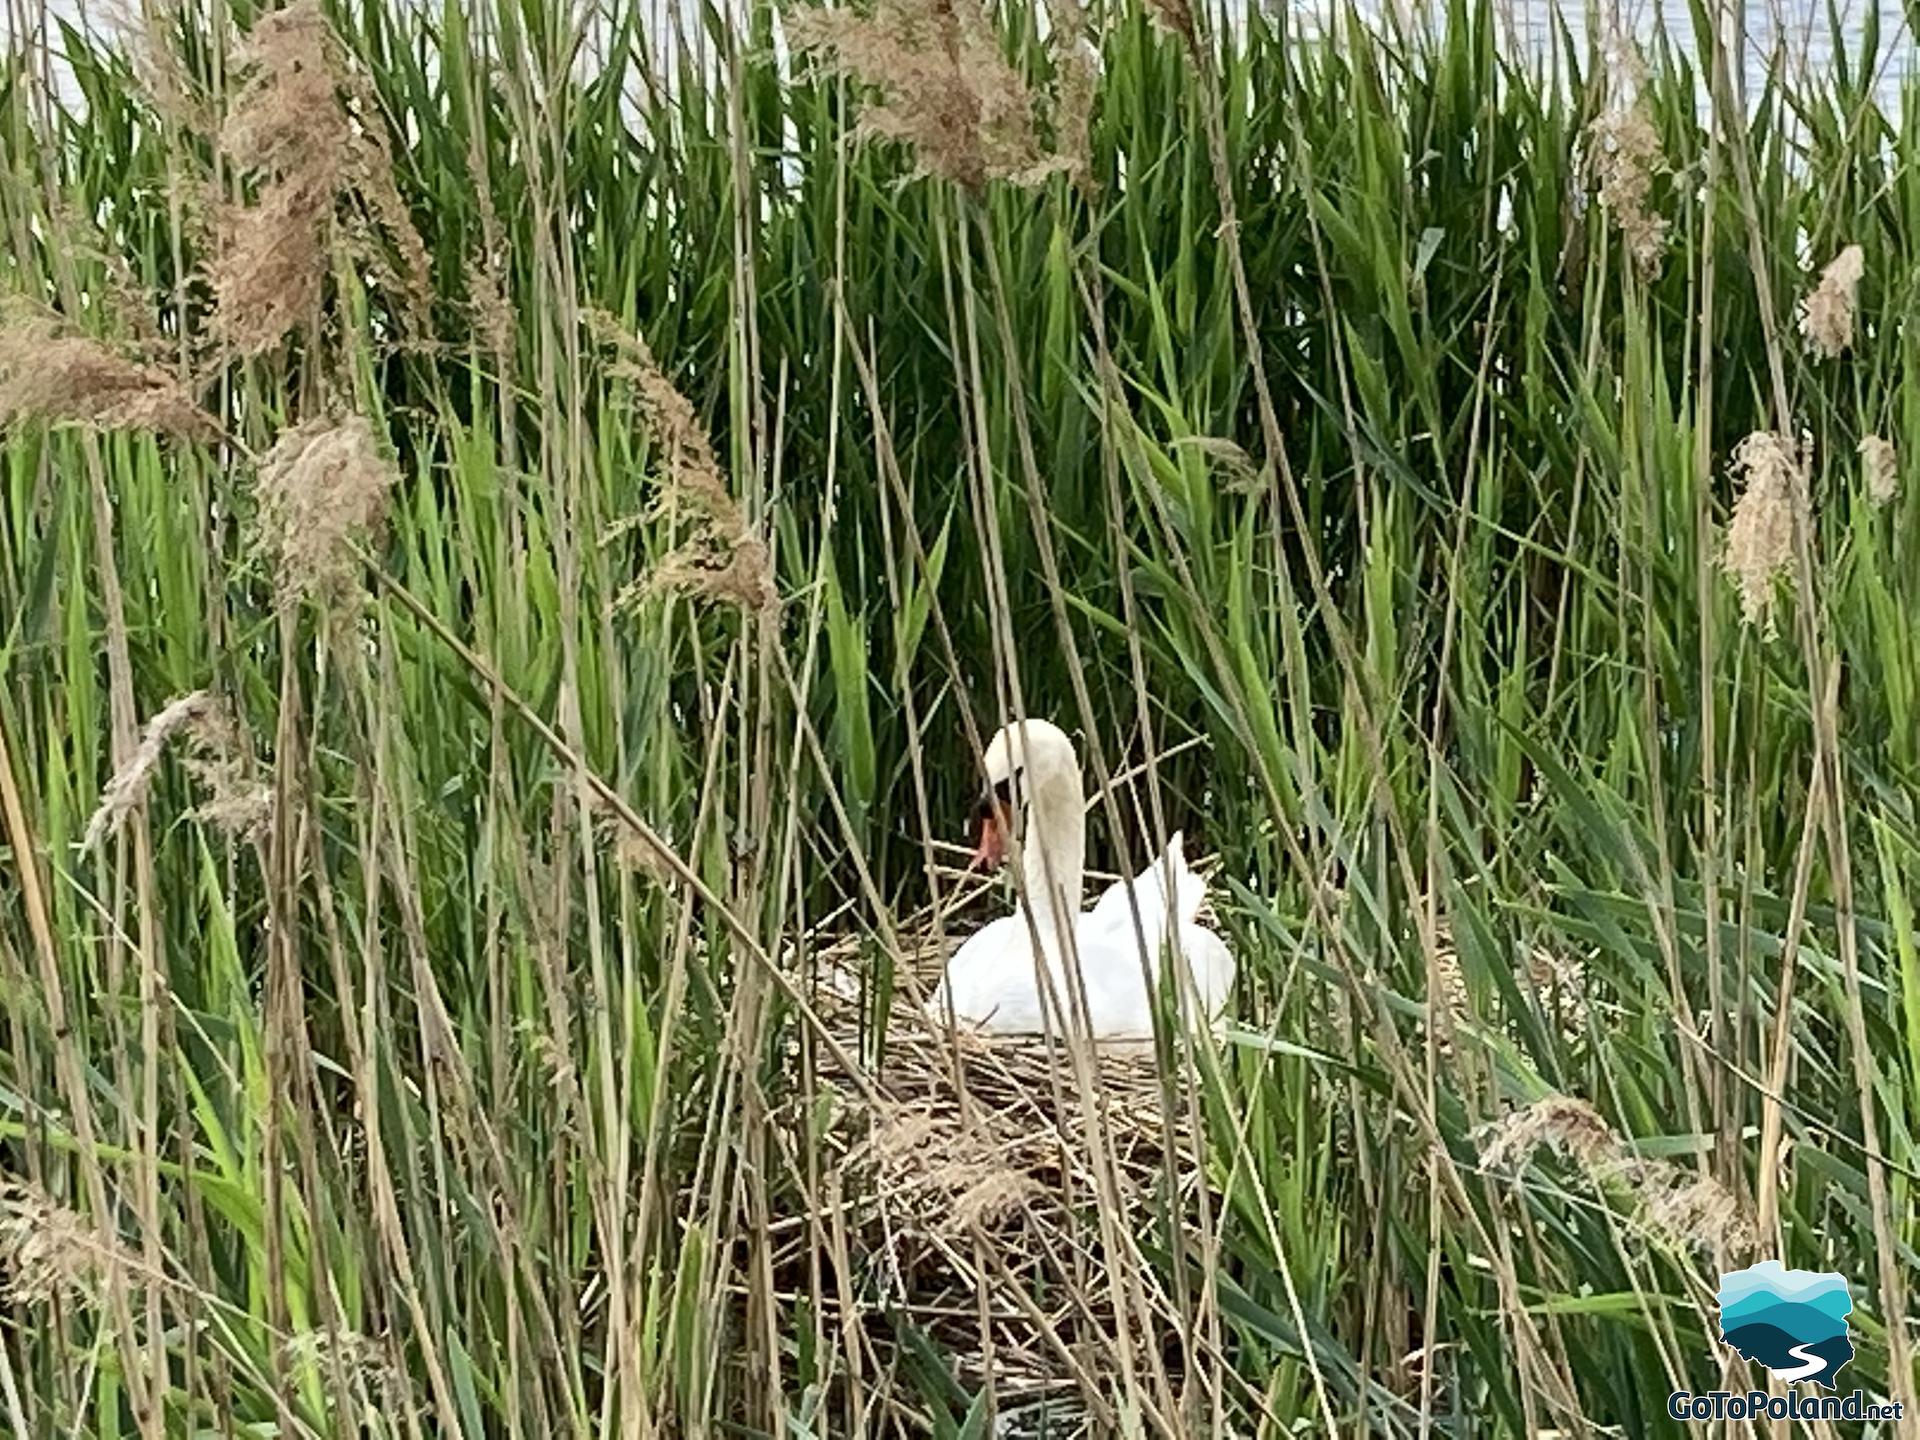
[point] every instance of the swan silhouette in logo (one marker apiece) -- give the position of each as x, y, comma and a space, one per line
1794, 1322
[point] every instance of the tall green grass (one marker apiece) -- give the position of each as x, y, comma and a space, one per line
1325, 454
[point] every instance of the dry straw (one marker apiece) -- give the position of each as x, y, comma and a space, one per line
322, 488
1759, 545
1681, 1209
959, 1137
956, 1176
1880, 467
946, 90
219, 757
47, 374
1827, 314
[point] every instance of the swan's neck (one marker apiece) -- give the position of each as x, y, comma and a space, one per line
1053, 856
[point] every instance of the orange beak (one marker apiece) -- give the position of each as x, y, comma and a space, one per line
991, 850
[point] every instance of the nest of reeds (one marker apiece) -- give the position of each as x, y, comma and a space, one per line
987, 1198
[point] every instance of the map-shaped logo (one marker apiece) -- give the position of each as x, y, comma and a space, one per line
1794, 1322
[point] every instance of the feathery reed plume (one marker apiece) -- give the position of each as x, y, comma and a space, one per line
370, 169
1826, 315
1449, 1004
290, 125
1880, 466
626, 849
236, 795
946, 90
219, 758
1563, 1123
739, 571
1623, 156
1175, 16
1682, 1209
287, 124
323, 485
1760, 538
49, 1251
1560, 984
488, 309
46, 374
152, 36
724, 560
1075, 74
128, 788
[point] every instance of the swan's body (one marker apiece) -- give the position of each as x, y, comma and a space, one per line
993, 982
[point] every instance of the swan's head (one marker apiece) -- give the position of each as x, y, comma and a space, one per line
1020, 759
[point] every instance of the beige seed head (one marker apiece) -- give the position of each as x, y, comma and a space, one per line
1880, 467
1826, 315
48, 1250
1564, 1123
1759, 545
290, 125
219, 757
739, 573
47, 374
323, 486
946, 90
1173, 15
723, 560
1076, 76
1688, 1210
235, 793
1624, 154
287, 126
128, 788
1678, 1208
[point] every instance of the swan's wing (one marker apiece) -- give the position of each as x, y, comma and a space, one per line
1111, 914
1212, 965
990, 982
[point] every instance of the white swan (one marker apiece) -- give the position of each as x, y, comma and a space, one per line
992, 981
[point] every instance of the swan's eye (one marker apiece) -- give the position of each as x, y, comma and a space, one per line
1000, 797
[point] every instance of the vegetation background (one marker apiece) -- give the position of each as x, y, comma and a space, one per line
506, 563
